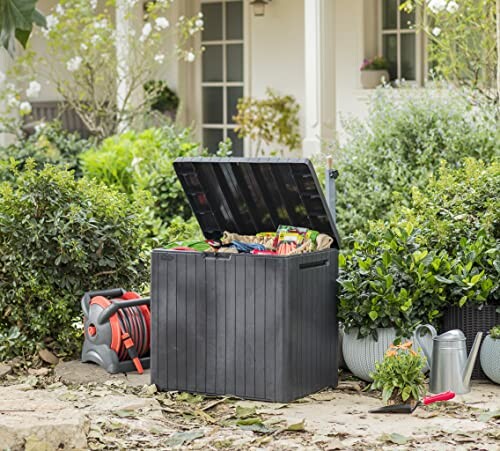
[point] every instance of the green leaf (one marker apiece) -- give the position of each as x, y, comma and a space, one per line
248, 421
462, 301
297, 427
184, 438
245, 412
373, 315
443, 279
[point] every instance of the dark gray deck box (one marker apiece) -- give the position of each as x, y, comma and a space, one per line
254, 326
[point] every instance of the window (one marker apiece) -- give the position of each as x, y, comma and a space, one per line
222, 71
400, 41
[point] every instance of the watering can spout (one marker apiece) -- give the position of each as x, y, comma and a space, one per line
471, 360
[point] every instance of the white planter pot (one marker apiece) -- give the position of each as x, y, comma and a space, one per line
370, 79
360, 355
490, 358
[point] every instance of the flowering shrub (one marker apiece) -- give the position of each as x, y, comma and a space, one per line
399, 376
104, 64
462, 41
375, 63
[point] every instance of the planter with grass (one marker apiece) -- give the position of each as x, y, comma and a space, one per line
490, 355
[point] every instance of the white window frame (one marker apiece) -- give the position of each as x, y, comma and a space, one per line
225, 125
421, 60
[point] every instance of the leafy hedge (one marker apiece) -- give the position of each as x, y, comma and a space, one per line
137, 162
60, 237
443, 250
406, 136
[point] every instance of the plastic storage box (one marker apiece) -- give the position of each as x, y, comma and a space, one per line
254, 326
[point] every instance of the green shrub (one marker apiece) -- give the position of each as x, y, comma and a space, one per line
388, 280
50, 144
405, 137
443, 250
137, 162
60, 237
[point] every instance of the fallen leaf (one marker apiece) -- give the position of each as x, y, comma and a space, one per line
396, 438
188, 397
125, 413
38, 372
323, 396
248, 421
487, 416
184, 438
245, 412
297, 427
48, 356
149, 390
68, 396
257, 427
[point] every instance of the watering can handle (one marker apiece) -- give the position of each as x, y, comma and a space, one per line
419, 342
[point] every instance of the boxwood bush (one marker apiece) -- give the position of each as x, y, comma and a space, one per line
405, 137
136, 162
443, 250
60, 237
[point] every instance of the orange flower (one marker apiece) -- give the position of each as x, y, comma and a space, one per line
412, 352
390, 353
407, 345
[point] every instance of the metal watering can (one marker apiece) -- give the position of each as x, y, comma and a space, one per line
451, 369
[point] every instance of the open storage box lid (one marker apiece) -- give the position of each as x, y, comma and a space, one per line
252, 195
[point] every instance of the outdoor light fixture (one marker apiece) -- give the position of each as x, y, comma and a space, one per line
259, 7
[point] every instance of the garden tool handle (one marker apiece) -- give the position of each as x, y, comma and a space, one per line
445, 396
111, 293
116, 305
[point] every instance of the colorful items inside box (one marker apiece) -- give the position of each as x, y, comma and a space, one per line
287, 240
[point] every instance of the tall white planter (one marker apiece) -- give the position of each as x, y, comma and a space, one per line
490, 358
360, 355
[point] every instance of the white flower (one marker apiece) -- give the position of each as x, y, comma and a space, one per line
160, 58
51, 21
199, 23
83, 46
34, 89
131, 3
59, 9
189, 57
74, 63
146, 31
436, 31
162, 23
200, 15
40, 126
93, 4
436, 5
12, 100
2, 77
25, 108
103, 23
452, 6
95, 39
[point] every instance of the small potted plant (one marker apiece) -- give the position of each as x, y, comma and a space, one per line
490, 355
374, 72
399, 376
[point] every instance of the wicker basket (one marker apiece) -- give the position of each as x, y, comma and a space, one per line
471, 320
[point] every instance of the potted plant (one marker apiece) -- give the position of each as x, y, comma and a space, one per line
165, 100
399, 375
374, 72
490, 355
388, 288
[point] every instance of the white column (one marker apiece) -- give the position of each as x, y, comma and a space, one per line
320, 108
123, 28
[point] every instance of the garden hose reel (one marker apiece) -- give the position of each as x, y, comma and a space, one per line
117, 327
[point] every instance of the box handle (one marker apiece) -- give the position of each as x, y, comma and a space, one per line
315, 264
221, 256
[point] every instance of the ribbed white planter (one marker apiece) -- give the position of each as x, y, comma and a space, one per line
360, 355
490, 358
